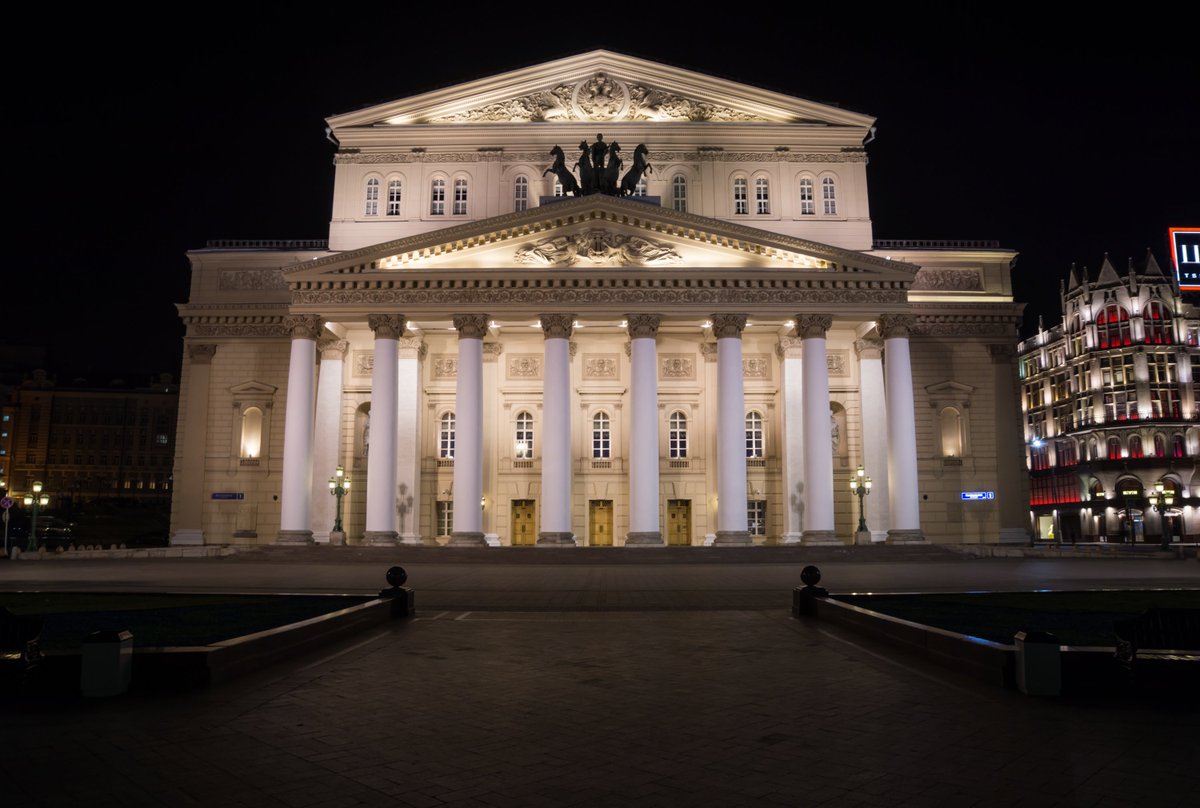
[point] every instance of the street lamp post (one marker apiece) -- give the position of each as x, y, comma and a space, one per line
860, 486
339, 486
38, 500
1161, 500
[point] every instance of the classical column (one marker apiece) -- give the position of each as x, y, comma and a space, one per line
294, 527
904, 504
792, 364
731, 432
187, 500
1012, 476
408, 437
874, 431
327, 436
468, 438
644, 525
818, 438
381, 458
556, 433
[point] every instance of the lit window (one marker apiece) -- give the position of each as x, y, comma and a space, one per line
951, 427
677, 436
524, 436
762, 196
437, 198
161, 438
807, 205
460, 197
679, 193
1114, 448
1160, 446
446, 437
1112, 327
640, 188
1178, 446
252, 422
756, 517
1157, 321
1135, 446
754, 434
445, 518
829, 195
372, 205
740, 205
393, 199
601, 436
521, 194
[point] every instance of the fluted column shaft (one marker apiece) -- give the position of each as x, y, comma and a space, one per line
818, 440
792, 445
294, 527
381, 459
873, 412
468, 438
644, 525
731, 432
902, 430
556, 432
327, 435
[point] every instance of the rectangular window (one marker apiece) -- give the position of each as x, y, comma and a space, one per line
445, 518
460, 197
393, 200
762, 197
741, 205
756, 517
437, 198
807, 205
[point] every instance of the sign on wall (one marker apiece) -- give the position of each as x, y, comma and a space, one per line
972, 495
1185, 255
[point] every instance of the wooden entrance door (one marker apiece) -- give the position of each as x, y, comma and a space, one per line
679, 521
523, 530
600, 523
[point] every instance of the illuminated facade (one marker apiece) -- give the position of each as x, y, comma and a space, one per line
495, 361
1110, 408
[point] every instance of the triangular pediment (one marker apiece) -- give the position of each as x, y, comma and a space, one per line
254, 389
596, 235
599, 87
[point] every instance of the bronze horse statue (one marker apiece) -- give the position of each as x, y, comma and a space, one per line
587, 172
612, 171
559, 169
641, 165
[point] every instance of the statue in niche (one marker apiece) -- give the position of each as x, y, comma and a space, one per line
367, 433
835, 432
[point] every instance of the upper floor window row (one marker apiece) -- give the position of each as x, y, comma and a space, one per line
437, 196
762, 196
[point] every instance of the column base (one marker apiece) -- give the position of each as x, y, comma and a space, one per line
381, 538
321, 536
819, 537
789, 538
1014, 535
733, 538
410, 539
294, 537
467, 539
185, 537
337, 538
863, 537
559, 539
643, 538
906, 537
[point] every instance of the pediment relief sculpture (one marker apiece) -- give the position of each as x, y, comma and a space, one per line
597, 248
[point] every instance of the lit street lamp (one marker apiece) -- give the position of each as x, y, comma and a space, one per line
38, 500
860, 486
339, 486
1162, 499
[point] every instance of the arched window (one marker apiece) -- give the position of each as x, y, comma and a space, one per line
601, 436
393, 200
754, 434
740, 204
1065, 453
252, 421
1114, 448
1112, 327
762, 196
523, 446
1135, 446
677, 436
372, 206
808, 206
460, 197
437, 197
679, 193
1160, 445
521, 194
829, 196
446, 436
951, 428
1178, 446
1156, 319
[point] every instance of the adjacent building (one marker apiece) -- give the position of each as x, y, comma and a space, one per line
1110, 408
600, 301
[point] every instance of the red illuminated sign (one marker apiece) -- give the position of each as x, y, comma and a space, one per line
1185, 255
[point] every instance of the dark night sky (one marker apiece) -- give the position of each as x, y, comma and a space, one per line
1060, 143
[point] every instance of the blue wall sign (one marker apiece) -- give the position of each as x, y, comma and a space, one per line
978, 495
227, 495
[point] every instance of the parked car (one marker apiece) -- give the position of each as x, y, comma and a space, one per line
52, 532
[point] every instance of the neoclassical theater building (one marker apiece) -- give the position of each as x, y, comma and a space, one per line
600, 301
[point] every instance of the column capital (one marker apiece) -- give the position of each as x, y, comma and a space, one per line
868, 348
304, 326
557, 326
896, 325
471, 326
709, 351
412, 345
201, 353
728, 325
332, 348
1002, 352
810, 326
387, 326
789, 346
492, 351
642, 325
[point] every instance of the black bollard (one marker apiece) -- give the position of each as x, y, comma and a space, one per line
804, 598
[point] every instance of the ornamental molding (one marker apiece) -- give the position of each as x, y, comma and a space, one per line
362, 363
642, 326
597, 247
948, 280
601, 366
538, 157
756, 366
800, 295
709, 351
251, 279
240, 330
492, 351
524, 366
557, 326
789, 347
676, 367
965, 325
445, 366
837, 362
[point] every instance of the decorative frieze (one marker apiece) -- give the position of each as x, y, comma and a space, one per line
362, 363
279, 329
964, 326
524, 367
400, 158
676, 367
251, 279
600, 366
756, 366
445, 366
837, 362
597, 247
948, 280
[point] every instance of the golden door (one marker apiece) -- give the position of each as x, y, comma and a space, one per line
600, 523
679, 521
523, 531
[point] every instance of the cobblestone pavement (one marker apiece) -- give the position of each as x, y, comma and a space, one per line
580, 706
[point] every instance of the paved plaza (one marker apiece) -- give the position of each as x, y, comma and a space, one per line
549, 679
